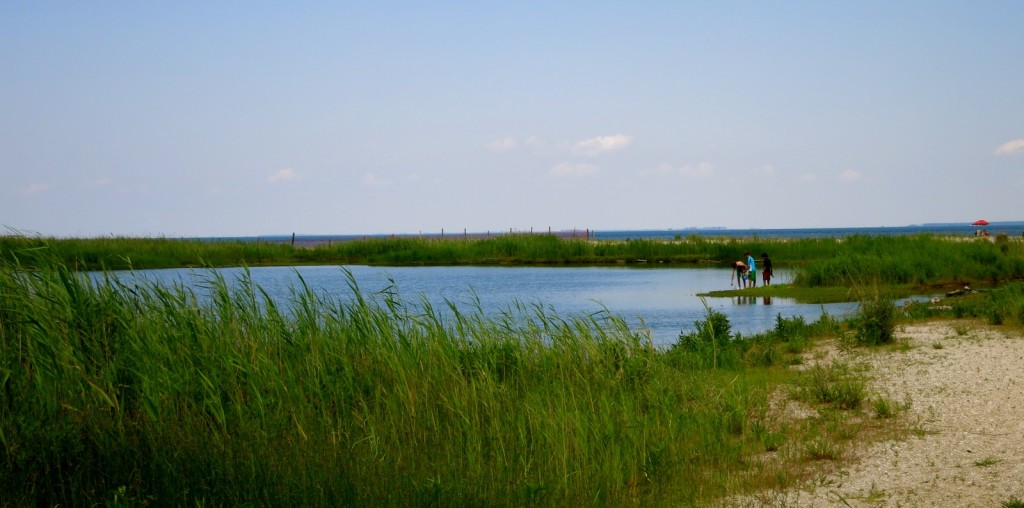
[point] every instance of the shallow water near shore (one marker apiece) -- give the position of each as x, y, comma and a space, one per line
661, 301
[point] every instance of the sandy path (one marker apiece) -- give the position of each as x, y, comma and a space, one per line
967, 396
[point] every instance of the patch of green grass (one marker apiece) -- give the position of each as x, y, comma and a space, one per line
987, 461
884, 408
834, 385
876, 495
1013, 502
920, 431
821, 448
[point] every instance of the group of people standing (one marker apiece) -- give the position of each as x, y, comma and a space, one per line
746, 273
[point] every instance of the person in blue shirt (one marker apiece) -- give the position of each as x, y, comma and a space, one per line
751, 270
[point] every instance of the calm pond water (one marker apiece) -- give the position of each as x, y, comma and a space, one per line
663, 300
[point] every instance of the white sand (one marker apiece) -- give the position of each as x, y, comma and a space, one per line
967, 397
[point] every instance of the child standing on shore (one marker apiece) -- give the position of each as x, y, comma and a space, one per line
751, 270
766, 269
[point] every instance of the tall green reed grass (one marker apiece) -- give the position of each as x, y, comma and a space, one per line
119, 253
918, 260
116, 253
123, 391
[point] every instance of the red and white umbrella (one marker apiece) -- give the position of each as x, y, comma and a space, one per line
980, 222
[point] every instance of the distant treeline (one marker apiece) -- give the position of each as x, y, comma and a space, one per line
913, 259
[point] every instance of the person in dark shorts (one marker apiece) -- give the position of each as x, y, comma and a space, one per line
766, 269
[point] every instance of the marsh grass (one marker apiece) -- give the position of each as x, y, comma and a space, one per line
921, 260
116, 253
138, 253
126, 392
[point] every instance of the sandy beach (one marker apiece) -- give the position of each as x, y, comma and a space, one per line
964, 385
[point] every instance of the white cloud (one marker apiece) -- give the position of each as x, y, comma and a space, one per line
503, 144
372, 180
35, 188
602, 144
1011, 147
807, 177
850, 175
766, 170
701, 170
573, 169
282, 176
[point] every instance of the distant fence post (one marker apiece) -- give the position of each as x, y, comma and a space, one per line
293, 239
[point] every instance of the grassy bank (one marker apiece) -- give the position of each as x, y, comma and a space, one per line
117, 253
139, 253
117, 393
917, 261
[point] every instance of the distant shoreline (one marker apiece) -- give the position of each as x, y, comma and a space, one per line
1010, 228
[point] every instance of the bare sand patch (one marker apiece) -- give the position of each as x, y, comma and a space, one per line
964, 385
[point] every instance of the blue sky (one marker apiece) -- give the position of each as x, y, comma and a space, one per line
254, 118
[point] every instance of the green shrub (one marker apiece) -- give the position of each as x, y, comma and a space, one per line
711, 346
876, 323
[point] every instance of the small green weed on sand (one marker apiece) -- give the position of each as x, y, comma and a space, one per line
987, 461
1014, 502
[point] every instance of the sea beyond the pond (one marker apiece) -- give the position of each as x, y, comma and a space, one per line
1010, 228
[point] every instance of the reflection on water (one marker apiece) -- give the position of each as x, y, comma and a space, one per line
751, 300
662, 301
